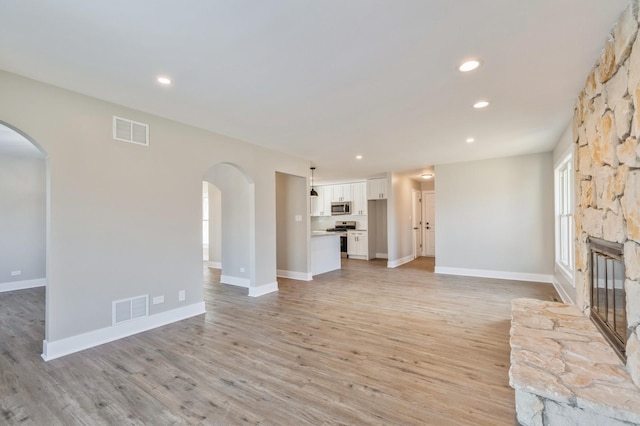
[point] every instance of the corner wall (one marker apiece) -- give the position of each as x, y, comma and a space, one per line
494, 218
126, 220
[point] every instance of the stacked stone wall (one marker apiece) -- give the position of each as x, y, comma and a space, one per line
606, 128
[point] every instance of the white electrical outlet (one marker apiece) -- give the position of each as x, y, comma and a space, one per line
16, 273
298, 218
181, 296
158, 299
241, 269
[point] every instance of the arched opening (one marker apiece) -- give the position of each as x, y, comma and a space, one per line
24, 229
231, 224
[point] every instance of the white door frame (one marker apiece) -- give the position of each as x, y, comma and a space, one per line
416, 222
424, 223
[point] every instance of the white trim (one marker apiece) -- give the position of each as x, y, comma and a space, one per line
293, 275
215, 265
359, 256
263, 289
382, 256
21, 285
80, 342
562, 292
237, 281
401, 261
501, 275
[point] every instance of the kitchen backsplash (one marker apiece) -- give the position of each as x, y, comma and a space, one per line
320, 223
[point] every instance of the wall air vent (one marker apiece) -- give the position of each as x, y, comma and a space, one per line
128, 309
130, 131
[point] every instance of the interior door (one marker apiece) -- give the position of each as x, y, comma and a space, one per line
416, 219
429, 220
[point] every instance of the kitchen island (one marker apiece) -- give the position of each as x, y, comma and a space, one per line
325, 252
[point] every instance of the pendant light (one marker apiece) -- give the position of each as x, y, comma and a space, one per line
313, 193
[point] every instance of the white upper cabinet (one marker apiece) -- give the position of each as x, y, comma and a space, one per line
342, 192
359, 206
377, 189
321, 205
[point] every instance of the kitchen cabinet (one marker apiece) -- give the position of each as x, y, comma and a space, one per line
341, 192
358, 245
359, 205
321, 205
377, 189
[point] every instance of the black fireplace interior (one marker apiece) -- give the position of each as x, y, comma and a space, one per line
608, 310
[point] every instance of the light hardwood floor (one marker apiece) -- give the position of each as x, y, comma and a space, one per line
364, 345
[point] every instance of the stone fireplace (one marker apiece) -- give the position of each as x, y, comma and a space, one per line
606, 128
608, 297
564, 367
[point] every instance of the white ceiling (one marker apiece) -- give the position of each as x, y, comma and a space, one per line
327, 79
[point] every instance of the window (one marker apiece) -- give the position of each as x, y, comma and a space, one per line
564, 216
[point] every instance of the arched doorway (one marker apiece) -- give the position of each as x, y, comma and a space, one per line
237, 223
24, 230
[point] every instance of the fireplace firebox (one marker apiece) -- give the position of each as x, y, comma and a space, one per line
608, 310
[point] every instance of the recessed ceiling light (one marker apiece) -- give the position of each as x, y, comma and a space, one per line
469, 65
481, 104
164, 80
358, 157
470, 140
427, 175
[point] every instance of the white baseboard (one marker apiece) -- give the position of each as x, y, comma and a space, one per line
21, 285
69, 345
263, 289
562, 292
302, 276
215, 265
398, 262
502, 275
382, 256
237, 281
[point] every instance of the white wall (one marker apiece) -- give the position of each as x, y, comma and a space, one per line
215, 225
496, 215
126, 220
292, 199
22, 218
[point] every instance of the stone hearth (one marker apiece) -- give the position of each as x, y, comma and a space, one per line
563, 370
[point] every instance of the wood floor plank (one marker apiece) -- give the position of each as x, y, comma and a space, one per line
364, 345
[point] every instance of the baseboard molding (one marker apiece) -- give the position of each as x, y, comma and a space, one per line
69, 345
293, 275
401, 261
263, 289
21, 285
215, 265
562, 292
382, 256
502, 275
237, 281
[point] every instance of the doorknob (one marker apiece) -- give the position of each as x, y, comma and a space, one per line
415, 228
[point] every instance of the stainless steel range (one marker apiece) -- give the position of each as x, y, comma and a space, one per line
341, 228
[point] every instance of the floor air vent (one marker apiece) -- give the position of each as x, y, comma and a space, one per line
130, 131
128, 309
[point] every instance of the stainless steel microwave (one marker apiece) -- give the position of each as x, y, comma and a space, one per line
341, 207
